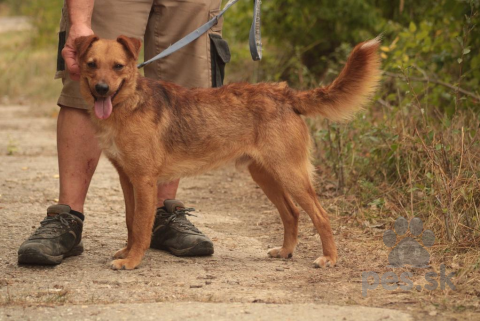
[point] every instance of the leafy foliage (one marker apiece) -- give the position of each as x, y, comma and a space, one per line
307, 41
415, 152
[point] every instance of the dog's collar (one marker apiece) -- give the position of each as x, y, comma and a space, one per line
118, 90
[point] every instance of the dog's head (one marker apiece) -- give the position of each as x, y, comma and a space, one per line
108, 71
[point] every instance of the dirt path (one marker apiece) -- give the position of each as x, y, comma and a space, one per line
14, 24
231, 209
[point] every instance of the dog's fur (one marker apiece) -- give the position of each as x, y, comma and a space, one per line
159, 131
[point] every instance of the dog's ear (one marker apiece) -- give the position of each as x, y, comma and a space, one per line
83, 43
131, 45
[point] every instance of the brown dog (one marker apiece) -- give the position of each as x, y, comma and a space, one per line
155, 131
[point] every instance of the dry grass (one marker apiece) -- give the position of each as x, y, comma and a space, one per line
394, 162
410, 160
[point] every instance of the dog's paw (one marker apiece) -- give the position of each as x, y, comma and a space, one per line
324, 261
124, 264
280, 252
121, 254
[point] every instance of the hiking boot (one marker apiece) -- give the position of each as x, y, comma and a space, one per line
58, 237
173, 232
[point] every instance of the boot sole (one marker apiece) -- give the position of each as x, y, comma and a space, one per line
32, 256
200, 249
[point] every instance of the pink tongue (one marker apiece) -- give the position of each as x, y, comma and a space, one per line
103, 107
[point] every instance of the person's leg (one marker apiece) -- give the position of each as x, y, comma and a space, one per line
78, 151
78, 155
60, 232
191, 66
169, 21
167, 192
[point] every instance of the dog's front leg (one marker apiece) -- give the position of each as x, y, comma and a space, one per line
145, 191
129, 197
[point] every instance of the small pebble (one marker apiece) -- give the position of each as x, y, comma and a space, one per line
279, 269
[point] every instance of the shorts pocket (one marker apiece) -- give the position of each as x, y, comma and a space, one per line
62, 38
62, 35
220, 55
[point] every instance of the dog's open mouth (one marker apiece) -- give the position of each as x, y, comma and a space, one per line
103, 105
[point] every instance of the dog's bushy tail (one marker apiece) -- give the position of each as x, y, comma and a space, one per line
350, 91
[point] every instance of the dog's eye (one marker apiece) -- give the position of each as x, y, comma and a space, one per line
91, 64
118, 67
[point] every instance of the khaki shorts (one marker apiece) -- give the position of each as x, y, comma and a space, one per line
160, 23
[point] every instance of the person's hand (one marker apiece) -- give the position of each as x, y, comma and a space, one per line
69, 52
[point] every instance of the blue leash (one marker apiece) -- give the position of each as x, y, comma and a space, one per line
255, 40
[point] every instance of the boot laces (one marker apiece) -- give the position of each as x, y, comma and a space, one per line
51, 224
179, 218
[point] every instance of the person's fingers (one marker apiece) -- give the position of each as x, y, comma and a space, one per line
70, 57
69, 52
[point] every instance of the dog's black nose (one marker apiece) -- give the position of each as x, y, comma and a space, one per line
101, 88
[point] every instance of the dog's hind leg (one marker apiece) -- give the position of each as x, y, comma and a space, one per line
288, 211
129, 198
296, 181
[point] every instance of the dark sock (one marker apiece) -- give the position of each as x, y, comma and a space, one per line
78, 214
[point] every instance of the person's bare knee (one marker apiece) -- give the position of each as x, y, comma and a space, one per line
74, 117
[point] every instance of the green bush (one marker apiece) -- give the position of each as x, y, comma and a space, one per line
306, 42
